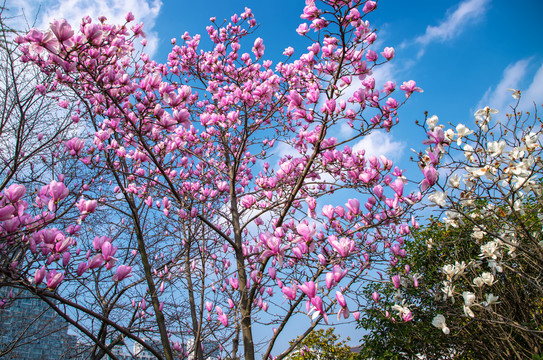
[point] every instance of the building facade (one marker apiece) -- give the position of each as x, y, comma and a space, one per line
31, 330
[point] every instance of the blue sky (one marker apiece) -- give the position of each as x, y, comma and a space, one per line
464, 54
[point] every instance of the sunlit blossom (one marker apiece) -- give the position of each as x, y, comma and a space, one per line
439, 322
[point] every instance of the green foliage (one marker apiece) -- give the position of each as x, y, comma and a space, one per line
509, 329
387, 339
322, 345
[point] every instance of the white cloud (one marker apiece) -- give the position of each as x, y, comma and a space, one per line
381, 143
498, 97
518, 75
41, 13
384, 73
454, 23
534, 92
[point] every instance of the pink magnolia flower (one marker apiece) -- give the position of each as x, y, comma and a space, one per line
81, 268
99, 242
339, 273
392, 103
309, 288
328, 211
288, 51
388, 53
329, 106
407, 316
341, 299
209, 306
40, 275
234, 282
356, 315
63, 31
409, 87
66, 258
369, 6
353, 205
344, 246
62, 243
306, 231
396, 281
6, 212
93, 32
129, 17
302, 29
397, 186
289, 292
272, 273
54, 278
14, 192
123, 271
318, 304
295, 100
248, 201
329, 279
258, 48
389, 87
343, 311
223, 319
430, 177
96, 261
74, 146
274, 247
57, 190
371, 55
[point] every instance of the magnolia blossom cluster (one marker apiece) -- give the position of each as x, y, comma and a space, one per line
488, 191
55, 248
248, 152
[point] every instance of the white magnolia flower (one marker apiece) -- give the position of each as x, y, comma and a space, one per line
469, 300
460, 267
483, 116
495, 266
477, 172
468, 152
452, 218
488, 278
478, 235
469, 203
517, 206
432, 122
516, 93
448, 290
398, 296
490, 300
450, 134
478, 281
489, 250
401, 309
496, 147
482, 122
454, 181
486, 111
531, 140
462, 131
439, 198
517, 153
439, 322
449, 270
